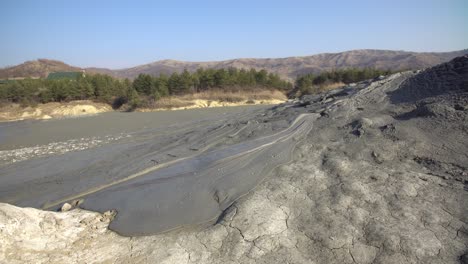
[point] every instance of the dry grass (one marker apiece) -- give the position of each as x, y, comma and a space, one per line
171, 102
236, 96
331, 86
220, 96
322, 88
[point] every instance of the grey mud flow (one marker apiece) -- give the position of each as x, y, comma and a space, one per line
159, 180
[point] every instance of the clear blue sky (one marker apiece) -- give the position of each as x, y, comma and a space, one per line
118, 34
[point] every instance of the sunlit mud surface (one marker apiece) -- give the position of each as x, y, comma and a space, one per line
157, 178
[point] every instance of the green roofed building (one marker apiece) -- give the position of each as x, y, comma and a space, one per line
5, 81
64, 75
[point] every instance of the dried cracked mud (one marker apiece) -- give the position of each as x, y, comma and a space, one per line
371, 173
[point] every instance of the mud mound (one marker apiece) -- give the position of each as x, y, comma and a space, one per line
445, 79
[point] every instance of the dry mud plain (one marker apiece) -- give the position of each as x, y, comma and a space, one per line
371, 173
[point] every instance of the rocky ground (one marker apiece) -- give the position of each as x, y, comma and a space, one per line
55, 148
380, 178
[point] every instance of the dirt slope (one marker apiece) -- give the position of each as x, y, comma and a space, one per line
13, 112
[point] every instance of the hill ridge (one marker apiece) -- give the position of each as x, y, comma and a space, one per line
286, 67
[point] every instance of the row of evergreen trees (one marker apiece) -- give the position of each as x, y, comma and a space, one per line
146, 89
143, 90
96, 87
312, 82
205, 79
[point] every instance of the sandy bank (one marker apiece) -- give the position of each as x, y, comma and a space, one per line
14, 112
203, 103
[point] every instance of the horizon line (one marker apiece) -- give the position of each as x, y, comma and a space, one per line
222, 60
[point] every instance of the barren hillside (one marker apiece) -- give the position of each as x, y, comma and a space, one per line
292, 66
286, 67
35, 69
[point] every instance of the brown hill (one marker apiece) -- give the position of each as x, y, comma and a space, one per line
292, 66
286, 67
35, 69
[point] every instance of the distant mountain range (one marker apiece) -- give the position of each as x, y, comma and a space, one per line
288, 68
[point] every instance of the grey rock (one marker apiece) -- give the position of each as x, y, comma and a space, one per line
66, 207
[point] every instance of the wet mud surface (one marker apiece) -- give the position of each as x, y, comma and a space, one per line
157, 178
